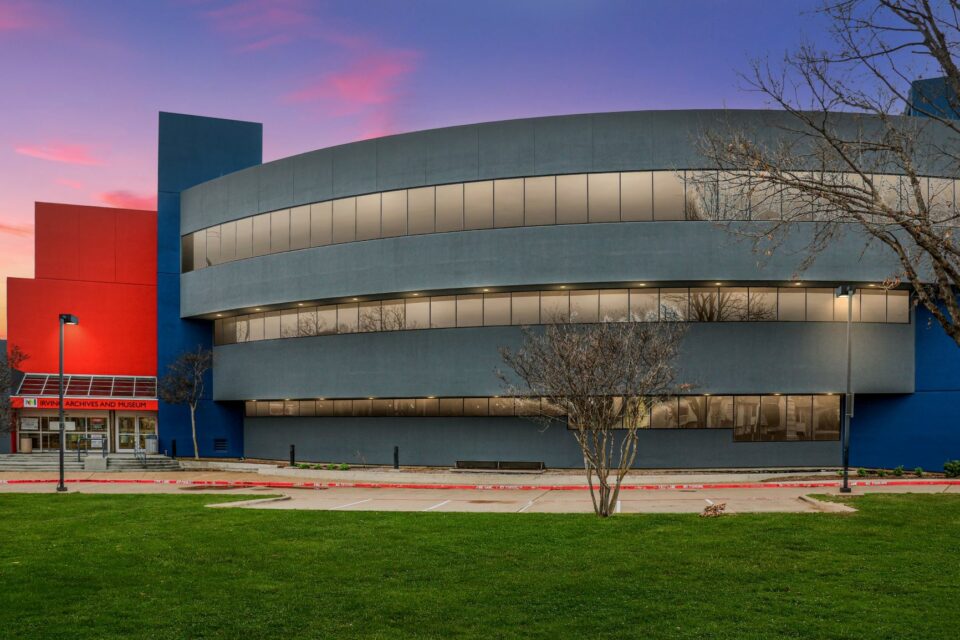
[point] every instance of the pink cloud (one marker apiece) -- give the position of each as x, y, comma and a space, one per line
21, 231
16, 16
371, 81
67, 182
128, 200
66, 153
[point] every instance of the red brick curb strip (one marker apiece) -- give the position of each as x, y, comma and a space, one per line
240, 484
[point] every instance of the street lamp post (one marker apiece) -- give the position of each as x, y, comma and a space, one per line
65, 318
847, 291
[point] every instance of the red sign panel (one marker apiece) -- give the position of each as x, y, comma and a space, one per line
103, 404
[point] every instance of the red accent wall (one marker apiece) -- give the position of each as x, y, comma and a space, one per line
100, 265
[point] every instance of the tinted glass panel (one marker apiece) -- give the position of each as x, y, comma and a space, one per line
733, 303
747, 417
186, 253
526, 308
300, 227
326, 320
348, 320
826, 417
584, 306
772, 423
420, 210
289, 323
200, 250
667, 196
554, 306
603, 191
261, 235
369, 316
873, 305
393, 316
449, 207
271, 325
418, 313
571, 199
394, 206
692, 412
496, 309
362, 407
470, 310
636, 196
451, 406
763, 304
368, 217
799, 418
443, 311
720, 412
846, 306
475, 407
213, 245
820, 305
644, 305
307, 322
704, 305
244, 238
345, 220
673, 304
664, 414
280, 231
540, 201
792, 304
254, 328
508, 203
478, 205
898, 306
228, 241
321, 224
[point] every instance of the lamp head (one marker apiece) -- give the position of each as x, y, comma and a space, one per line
69, 318
844, 291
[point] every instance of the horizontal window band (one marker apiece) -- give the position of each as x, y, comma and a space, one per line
566, 303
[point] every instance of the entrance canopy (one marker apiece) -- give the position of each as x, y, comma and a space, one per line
41, 391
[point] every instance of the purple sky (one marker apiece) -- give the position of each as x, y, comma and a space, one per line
83, 81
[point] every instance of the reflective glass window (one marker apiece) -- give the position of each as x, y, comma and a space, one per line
942, 199
343, 408
362, 407
720, 412
428, 407
527, 406
280, 231
692, 412
470, 310
394, 213
307, 321
614, 305
344, 220
382, 407
663, 415
644, 305
702, 195
321, 224
393, 316
826, 417
271, 325
213, 245
368, 216
747, 417
584, 305
449, 207
732, 304
667, 196
554, 306
443, 312
243, 329
420, 210
799, 418
263, 409
229, 333
526, 307
418, 313
846, 306
540, 201
502, 407
451, 406
405, 406
250, 409
244, 238
348, 320
326, 320
199, 249
571, 199
636, 196
603, 197
308, 408
898, 306
873, 305
820, 305
496, 309
291, 407
704, 305
254, 327
275, 408
475, 407
478, 205
369, 316
763, 304
772, 421
674, 304
289, 323
792, 304
508, 202
733, 189
261, 234
765, 199
228, 241
324, 407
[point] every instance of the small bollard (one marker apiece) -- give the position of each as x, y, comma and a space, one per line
396, 457
293, 457
173, 448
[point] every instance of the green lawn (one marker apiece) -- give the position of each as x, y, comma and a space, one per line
162, 566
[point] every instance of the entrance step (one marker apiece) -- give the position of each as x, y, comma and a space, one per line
120, 462
113, 462
39, 462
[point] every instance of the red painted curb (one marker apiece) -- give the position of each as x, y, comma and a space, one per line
489, 487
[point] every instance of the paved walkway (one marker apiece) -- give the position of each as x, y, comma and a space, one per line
279, 492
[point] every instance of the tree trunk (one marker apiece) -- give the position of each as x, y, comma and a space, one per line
193, 431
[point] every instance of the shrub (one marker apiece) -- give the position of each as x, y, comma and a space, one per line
303, 465
951, 468
331, 467
918, 472
881, 473
862, 473
318, 466
344, 467
898, 470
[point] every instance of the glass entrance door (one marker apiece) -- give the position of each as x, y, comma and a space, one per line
146, 426
132, 431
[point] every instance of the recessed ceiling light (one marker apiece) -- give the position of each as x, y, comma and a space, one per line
797, 284
416, 294
354, 299
717, 283
641, 284
486, 290
257, 309
299, 304
219, 315
370, 398
430, 397
871, 285
563, 286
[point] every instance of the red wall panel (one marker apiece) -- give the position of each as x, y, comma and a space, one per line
116, 335
137, 247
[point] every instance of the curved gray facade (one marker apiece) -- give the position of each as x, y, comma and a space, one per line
732, 358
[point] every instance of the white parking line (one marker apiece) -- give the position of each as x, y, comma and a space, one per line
439, 504
525, 507
344, 506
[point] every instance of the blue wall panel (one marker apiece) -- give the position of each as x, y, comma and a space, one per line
917, 430
192, 150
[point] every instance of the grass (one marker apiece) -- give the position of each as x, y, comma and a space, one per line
162, 566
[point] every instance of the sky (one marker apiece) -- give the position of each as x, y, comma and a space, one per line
83, 81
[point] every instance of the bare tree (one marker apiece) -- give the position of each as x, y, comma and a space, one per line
184, 384
10, 363
842, 171
604, 378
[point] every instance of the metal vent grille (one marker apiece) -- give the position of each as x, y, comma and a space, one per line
220, 444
